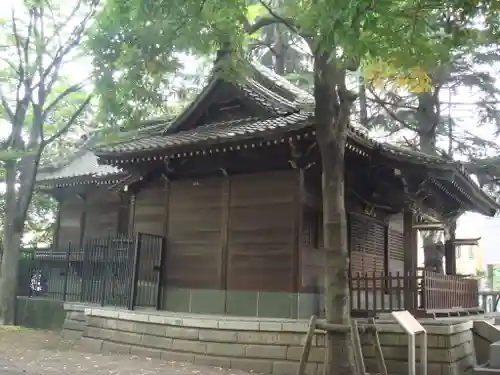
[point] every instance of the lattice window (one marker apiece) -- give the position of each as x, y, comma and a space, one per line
367, 245
396, 245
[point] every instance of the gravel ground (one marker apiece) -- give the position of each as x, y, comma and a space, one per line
39, 352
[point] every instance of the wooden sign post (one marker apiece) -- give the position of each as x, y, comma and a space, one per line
413, 328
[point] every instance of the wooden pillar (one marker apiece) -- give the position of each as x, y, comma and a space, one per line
409, 244
450, 249
161, 298
55, 237
224, 255
131, 214
410, 261
83, 219
296, 235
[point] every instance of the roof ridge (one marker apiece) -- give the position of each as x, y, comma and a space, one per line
281, 81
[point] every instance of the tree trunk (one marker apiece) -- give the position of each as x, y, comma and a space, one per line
428, 118
332, 111
12, 243
8, 280
363, 105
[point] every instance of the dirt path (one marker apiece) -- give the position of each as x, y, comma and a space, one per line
38, 352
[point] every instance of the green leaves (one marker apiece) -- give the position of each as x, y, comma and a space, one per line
254, 11
135, 45
11, 154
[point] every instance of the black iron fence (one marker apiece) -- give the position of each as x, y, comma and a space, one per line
124, 271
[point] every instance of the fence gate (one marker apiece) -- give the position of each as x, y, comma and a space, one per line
147, 275
107, 271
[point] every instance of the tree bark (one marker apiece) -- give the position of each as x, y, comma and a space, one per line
363, 105
332, 110
11, 241
428, 119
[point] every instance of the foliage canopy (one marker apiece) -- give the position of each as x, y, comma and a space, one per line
138, 45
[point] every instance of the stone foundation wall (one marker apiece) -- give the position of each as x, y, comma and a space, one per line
450, 349
75, 321
40, 313
264, 346
484, 334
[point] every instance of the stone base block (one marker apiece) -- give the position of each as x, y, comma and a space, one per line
267, 346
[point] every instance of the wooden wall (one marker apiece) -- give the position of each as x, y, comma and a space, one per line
369, 238
261, 232
92, 212
102, 207
233, 232
70, 221
150, 209
194, 233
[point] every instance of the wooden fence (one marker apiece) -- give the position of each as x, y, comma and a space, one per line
422, 293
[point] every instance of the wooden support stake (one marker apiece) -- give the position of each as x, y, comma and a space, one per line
358, 351
379, 355
307, 346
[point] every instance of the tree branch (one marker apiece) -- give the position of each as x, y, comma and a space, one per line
289, 23
68, 124
259, 24
6, 106
71, 89
72, 40
391, 113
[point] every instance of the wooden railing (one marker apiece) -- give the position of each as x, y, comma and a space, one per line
443, 292
421, 293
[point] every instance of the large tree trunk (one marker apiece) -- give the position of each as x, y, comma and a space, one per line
363, 104
331, 116
12, 242
428, 115
9, 279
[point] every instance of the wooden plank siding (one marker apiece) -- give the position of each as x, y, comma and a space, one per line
97, 212
233, 233
70, 222
102, 213
194, 233
261, 232
149, 209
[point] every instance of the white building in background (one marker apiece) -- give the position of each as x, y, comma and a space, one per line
470, 256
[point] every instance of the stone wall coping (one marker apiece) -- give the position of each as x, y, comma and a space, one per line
75, 306
487, 330
435, 327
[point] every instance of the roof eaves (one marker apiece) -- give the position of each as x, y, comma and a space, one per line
477, 195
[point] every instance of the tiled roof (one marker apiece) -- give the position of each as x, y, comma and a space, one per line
260, 86
300, 97
291, 109
82, 164
220, 132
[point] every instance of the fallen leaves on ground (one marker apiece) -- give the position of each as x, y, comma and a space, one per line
38, 352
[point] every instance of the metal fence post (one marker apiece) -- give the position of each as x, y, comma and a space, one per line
85, 270
104, 268
161, 277
66, 272
135, 271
